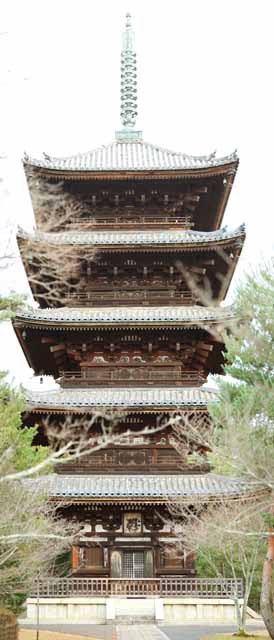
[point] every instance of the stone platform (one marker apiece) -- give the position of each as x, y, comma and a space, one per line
126, 610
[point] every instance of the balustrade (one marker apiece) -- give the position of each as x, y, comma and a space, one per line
127, 374
161, 587
122, 222
131, 296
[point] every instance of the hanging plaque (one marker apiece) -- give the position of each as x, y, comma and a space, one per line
132, 523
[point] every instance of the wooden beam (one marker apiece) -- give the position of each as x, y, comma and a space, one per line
189, 197
199, 270
58, 347
201, 352
200, 190
205, 345
209, 262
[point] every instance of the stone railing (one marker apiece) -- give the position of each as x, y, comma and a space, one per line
160, 587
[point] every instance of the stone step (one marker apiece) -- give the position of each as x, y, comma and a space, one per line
134, 619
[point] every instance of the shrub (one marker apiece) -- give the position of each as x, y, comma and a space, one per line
14, 602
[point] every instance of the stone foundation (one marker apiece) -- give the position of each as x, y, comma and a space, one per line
100, 610
179, 610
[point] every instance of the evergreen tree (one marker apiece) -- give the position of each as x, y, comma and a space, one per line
31, 534
244, 417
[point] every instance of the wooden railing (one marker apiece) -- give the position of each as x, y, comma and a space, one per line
161, 587
123, 222
118, 375
166, 466
131, 296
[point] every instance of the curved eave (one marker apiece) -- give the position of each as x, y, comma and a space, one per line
228, 168
135, 400
138, 316
139, 241
157, 409
140, 502
41, 410
77, 326
145, 489
135, 157
240, 496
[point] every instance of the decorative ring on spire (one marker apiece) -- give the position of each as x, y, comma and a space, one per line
128, 78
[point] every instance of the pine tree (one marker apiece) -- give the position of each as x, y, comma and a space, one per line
244, 417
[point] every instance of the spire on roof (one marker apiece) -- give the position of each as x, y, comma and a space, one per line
128, 77
128, 36
128, 85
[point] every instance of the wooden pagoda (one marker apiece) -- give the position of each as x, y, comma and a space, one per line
135, 338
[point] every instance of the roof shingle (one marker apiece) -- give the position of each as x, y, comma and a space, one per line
134, 237
136, 155
119, 398
144, 486
137, 315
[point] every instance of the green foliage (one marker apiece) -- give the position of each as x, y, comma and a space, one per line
32, 533
244, 432
62, 565
268, 519
16, 442
220, 568
250, 350
244, 416
9, 304
15, 603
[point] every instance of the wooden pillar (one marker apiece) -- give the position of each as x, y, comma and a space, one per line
189, 560
75, 557
116, 564
148, 564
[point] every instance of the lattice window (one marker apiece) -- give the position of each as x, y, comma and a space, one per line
133, 564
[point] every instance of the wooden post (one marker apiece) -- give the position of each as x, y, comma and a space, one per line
75, 557
267, 609
38, 609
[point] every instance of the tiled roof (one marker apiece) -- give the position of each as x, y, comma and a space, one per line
143, 487
137, 315
129, 156
134, 237
119, 398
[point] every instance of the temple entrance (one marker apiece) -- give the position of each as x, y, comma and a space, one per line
133, 564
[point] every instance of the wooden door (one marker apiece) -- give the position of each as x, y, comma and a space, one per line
133, 564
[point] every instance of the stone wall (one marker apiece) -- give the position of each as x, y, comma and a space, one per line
106, 610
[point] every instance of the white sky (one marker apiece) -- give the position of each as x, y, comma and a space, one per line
205, 82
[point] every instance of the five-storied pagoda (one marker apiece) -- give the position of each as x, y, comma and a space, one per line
134, 338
